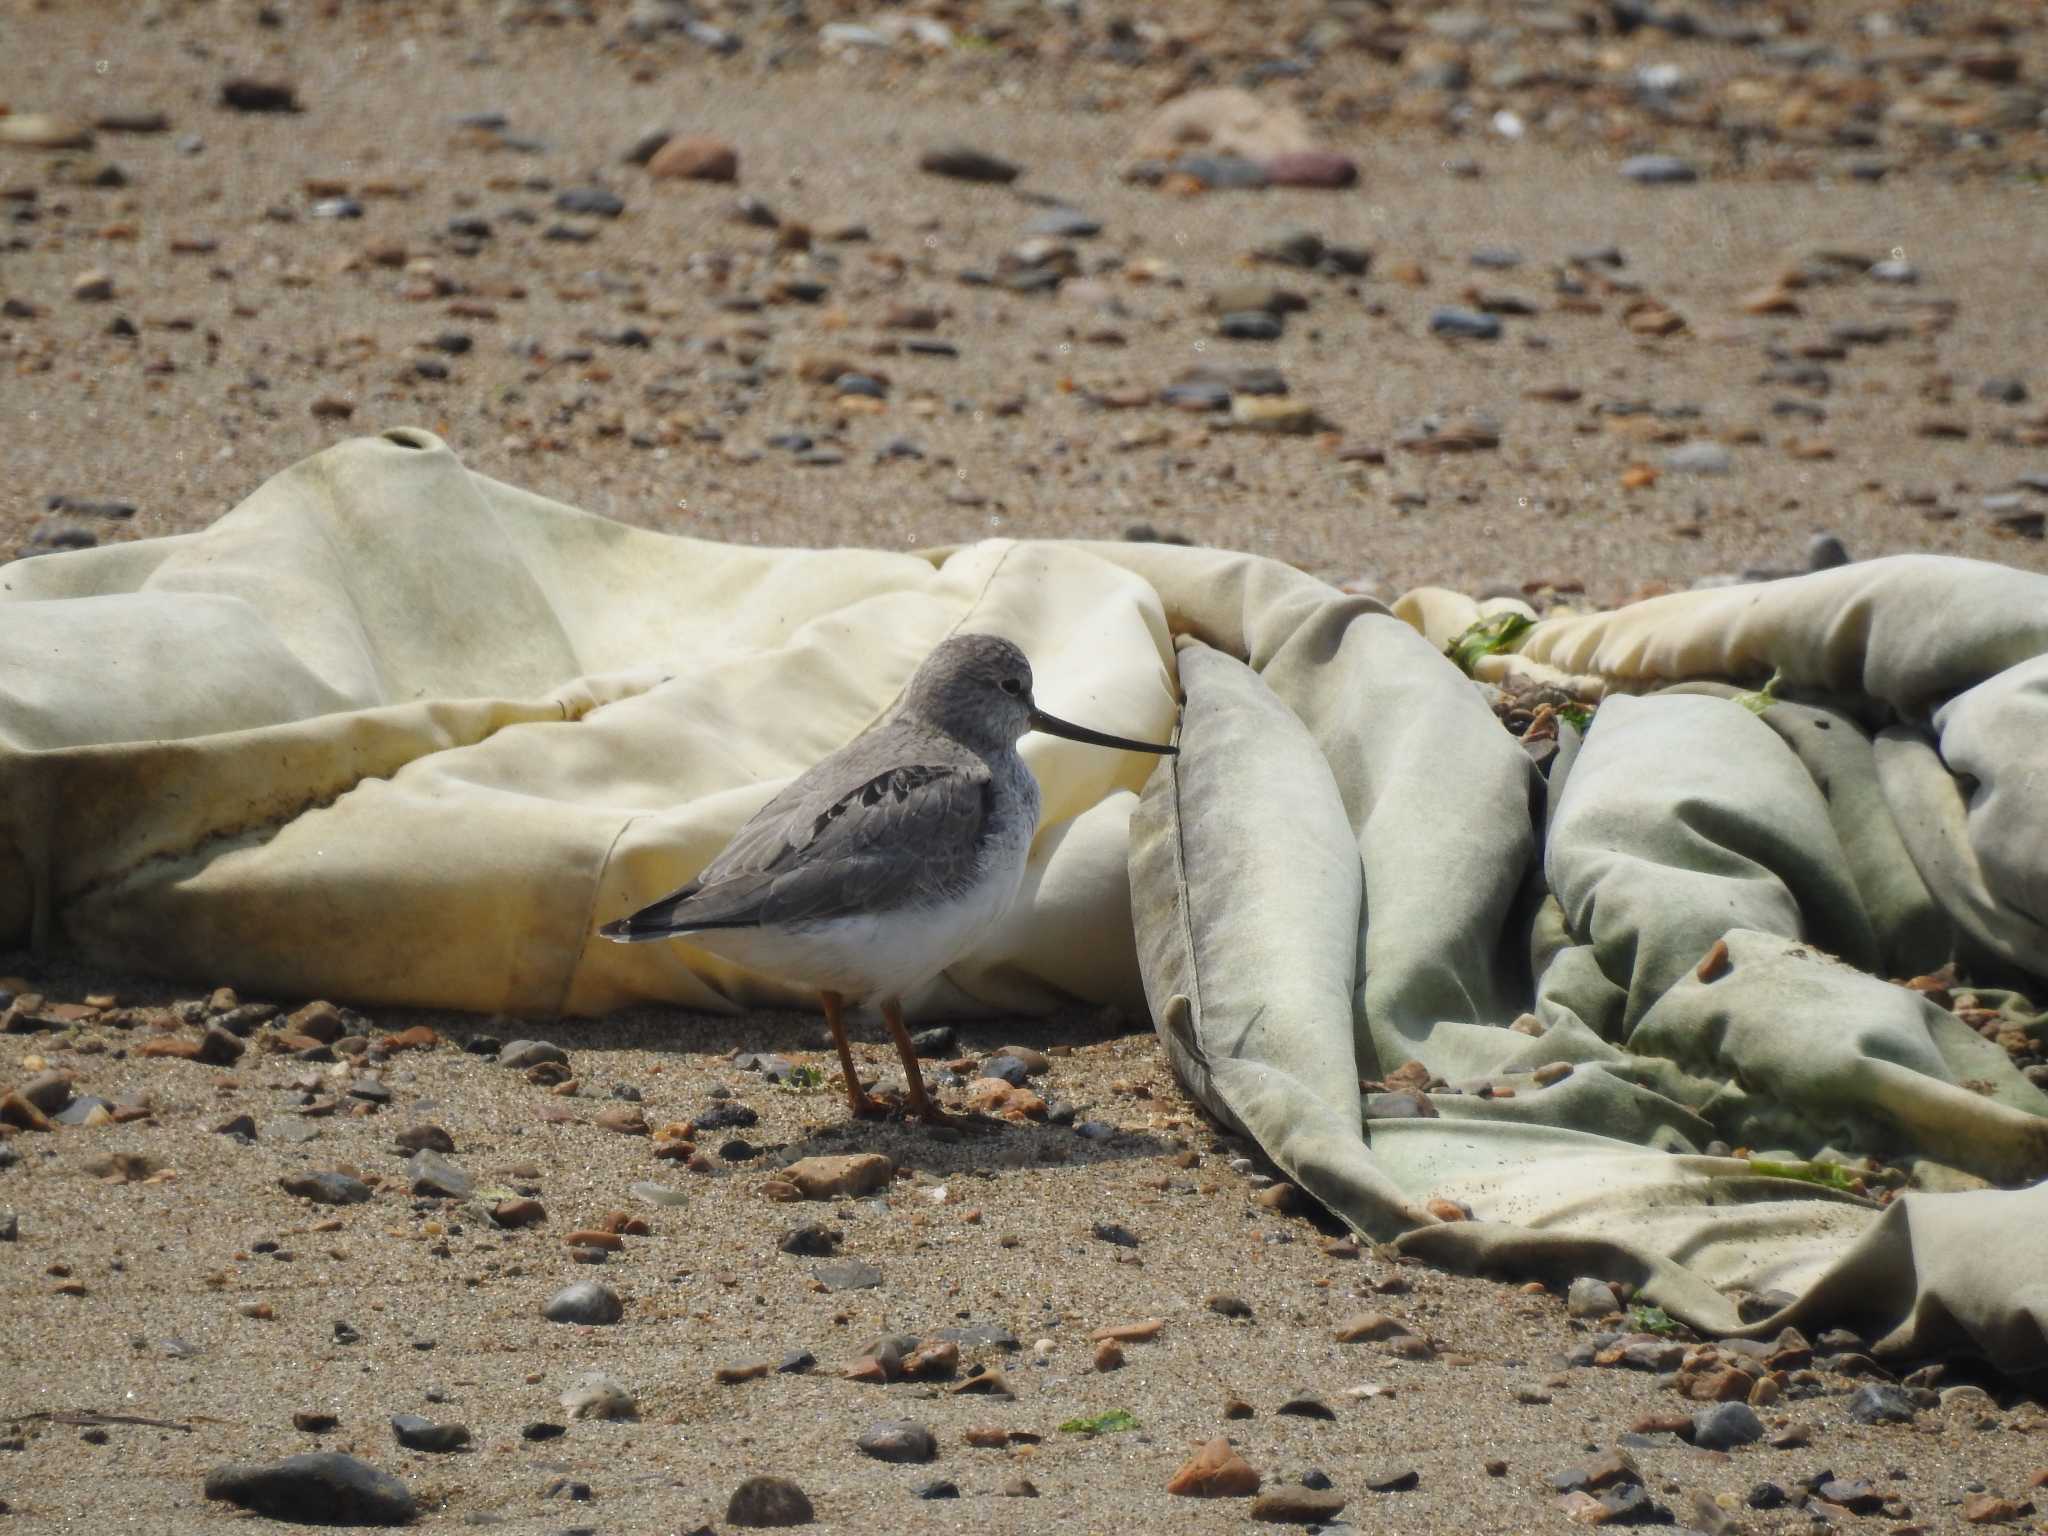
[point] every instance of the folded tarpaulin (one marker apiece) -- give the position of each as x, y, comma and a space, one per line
394, 732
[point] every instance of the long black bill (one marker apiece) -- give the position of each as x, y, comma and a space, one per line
1052, 725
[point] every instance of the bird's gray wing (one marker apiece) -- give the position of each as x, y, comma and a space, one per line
906, 836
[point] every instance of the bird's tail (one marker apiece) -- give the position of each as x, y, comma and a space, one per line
655, 921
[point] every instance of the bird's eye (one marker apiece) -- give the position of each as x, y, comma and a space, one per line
1013, 685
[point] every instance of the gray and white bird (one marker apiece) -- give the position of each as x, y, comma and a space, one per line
889, 860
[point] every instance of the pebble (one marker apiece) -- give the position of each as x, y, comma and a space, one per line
1658, 170
595, 1395
93, 287
1880, 1404
434, 1174
1464, 324
44, 130
1305, 1406
1725, 1426
1063, 224
1223, 1304
849, 1275
1903, 273
964, 163
695, 157
657, 1194
325, 1188
587, 1302
1007, 1068
521, 1054
421, 1434
1215, 1471
1590, 1297
1315, 168
763, 1502
898, 1440
939, 1488
260, 96
1254, 325
1699, 458
1298, 1505
833, 1178
320, 1487
1222, 173
594, 202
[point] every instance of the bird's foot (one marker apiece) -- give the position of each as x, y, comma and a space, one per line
865, 1106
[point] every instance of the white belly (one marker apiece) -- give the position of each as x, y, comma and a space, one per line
892, 952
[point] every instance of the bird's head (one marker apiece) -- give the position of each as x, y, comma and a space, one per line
977, 689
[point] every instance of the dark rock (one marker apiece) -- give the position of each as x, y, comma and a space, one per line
1464, 324
260, 96
1880, 1405
595, 202
1725, 1426
425, 1138
319, 1488
1658, 170
812, 1240
963, 163
1114, 1232
728, 1116
762, 1502
939, 1488
419, 1434
1253, 325
542, 1430
1393, 1479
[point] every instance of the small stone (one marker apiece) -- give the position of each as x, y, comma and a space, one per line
832, 1178
1130, 1333
763, 1502
1020, 1488
425, 1138
521, 1054
1317, 168
321, 1487
964, 163
1658, 170
624, 1119
849, 1275
695, 157
1215, 1472
313, 1422
657, 1194
241, 1126
1305, 1406
898, 1440
1699, 458
1276, 414
1223, 1304
1109, 1355
1464, 324
433, 1174
1115, 1233
598, 1396
1725, 1426
1590, 1297
325, 1188
260, 96
812, 1240
1253, 325
92, 287
44, 130
587, 1303
1880, 1405
1298, 1506
733, 1375
518, 1212
1990, 1509
1370, 1327
421, 1434
939, 1488
591, 202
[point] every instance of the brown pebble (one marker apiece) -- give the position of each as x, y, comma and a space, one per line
1109, 1355
1715, 965
1370, 1327
732, 1375
585, 1238
1215, 1471
332, 408
830, 1178
314, 1422
1991, 1509
1130, 1333
626, 1119
1281, 1197
1020, 1488
1448, 1210
1237, 1408
695, 157
518, 1213
1495, 1467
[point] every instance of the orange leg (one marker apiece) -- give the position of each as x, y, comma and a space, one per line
920, 1102
857, 1098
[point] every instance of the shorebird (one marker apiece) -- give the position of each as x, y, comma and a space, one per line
889, 860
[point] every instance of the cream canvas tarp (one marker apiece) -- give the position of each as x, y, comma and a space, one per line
393, 732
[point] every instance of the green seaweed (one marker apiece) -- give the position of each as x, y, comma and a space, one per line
1645, 1318
802, 1080
1114, 1422
1487, 636
1763, 698
1827, 1175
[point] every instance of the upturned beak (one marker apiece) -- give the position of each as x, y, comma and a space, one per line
1052, 725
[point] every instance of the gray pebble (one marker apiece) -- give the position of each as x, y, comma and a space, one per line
849, 1275
594, 201
434, 1174
586, 1302
1658, 170
898, 1440
1699, 458
1591, 1297
763, 1502
1725, 1426
421, 1434
1252, 325
1880, 1405
326, 1188
521, 1054
1467, 324
321, 1487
